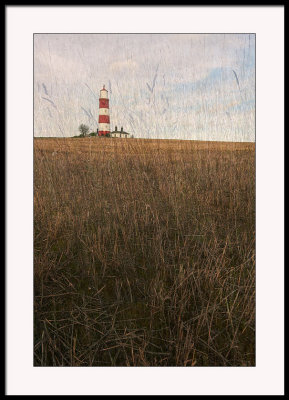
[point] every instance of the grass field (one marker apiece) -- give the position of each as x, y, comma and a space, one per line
144, 253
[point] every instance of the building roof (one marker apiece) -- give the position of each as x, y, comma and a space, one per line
104, 88
126, 133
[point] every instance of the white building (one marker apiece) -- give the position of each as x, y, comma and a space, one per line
119, 134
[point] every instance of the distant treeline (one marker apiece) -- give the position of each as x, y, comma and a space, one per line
86, 135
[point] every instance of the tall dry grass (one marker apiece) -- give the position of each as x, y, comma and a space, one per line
144, 253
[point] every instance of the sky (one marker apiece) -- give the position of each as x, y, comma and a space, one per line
166, 86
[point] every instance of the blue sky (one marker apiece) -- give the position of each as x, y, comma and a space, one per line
178, 86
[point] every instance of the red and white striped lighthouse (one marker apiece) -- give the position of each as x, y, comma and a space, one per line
103, 119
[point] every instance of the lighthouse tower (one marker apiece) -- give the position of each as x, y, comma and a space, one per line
103, 119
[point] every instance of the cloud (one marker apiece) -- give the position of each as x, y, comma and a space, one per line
123, 65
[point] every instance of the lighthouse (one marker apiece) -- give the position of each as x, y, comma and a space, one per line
103, 119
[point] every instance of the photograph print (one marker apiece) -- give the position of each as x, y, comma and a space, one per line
144, 200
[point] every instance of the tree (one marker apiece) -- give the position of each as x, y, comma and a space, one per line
83, 129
